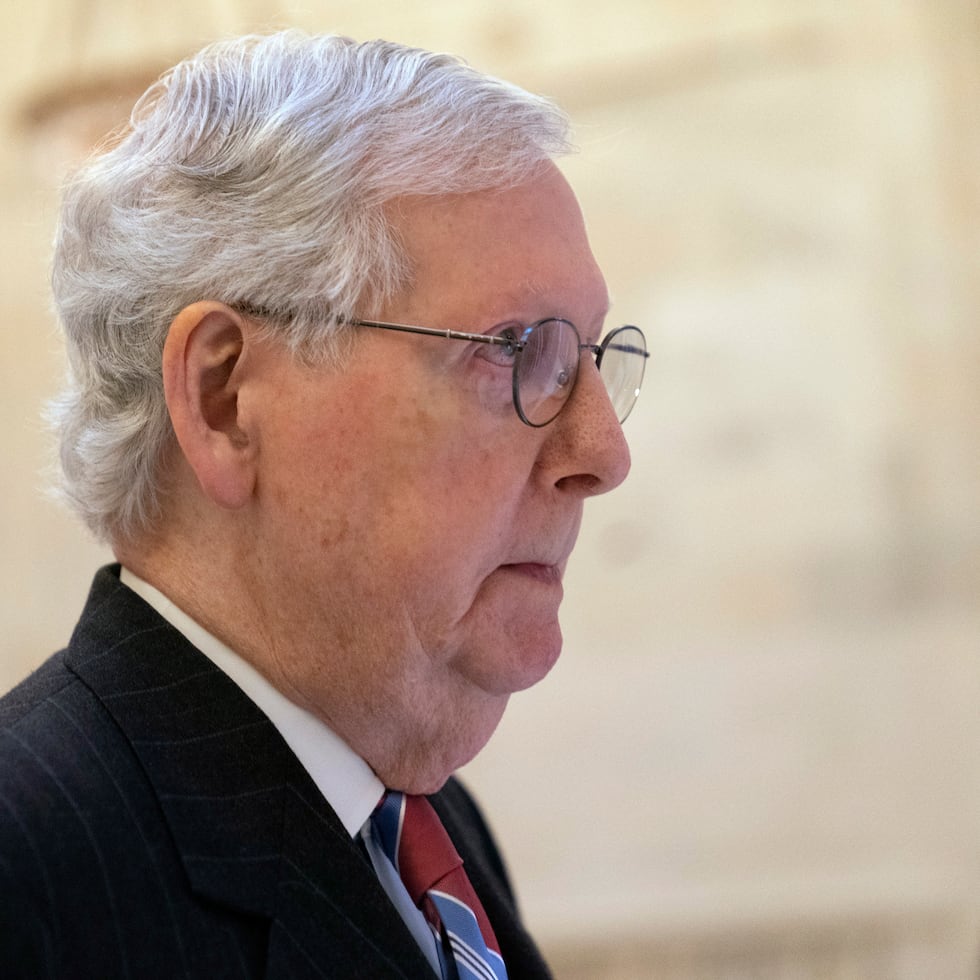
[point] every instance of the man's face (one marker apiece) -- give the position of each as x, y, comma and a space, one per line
410, 532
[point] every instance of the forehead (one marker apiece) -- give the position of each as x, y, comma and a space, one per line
501, 253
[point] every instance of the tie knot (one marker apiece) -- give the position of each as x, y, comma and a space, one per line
415, 841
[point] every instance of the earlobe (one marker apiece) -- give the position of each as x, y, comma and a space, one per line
202, 376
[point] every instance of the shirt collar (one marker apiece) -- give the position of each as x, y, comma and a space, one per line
346, 781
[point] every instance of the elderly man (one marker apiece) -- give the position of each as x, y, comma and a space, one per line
337, 396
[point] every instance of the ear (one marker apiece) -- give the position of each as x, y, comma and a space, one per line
202, 375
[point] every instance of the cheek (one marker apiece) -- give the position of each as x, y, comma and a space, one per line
493, 387
409, 500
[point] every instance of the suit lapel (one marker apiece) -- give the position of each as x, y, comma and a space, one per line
253, 831
332, 907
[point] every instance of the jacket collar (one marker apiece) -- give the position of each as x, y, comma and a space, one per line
252, 830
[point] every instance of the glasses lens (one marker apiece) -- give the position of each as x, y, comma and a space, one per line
544, 374
622, 360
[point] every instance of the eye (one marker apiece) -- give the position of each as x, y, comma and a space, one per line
503, 354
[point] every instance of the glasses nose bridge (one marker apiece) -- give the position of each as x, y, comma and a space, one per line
596, 351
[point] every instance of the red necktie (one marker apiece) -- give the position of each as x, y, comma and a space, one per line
415, 841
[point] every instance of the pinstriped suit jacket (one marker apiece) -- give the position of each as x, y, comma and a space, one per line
154, 824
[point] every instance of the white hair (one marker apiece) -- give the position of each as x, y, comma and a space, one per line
256, 173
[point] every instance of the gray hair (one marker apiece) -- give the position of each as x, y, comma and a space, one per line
256, 173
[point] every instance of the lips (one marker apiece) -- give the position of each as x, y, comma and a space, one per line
538, 571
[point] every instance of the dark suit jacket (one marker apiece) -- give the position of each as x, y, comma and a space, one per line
153, 823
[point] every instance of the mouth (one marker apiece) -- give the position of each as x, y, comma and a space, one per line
538, 572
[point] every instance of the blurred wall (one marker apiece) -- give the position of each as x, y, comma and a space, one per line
757, 756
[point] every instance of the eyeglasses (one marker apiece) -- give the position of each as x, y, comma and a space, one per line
546, 359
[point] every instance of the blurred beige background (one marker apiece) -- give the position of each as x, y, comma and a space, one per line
758, 755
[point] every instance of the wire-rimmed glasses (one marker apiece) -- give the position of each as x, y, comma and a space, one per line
546, 359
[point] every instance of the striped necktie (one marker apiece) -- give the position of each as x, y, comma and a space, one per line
415, 841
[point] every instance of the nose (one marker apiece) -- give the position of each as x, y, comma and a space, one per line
586, 452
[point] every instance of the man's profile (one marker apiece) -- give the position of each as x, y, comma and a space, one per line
340, 385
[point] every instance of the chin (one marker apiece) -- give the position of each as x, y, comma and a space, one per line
539, 666
528, 661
